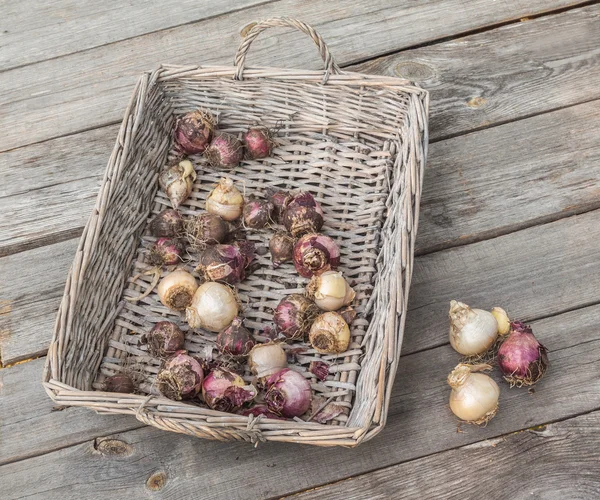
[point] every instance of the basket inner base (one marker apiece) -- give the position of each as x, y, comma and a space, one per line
346, 163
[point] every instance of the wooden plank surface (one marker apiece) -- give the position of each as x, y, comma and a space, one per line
484, 184
88, 89
51, 188
28, 310
532, 273
41, 209
32, 425
419, 424
504, 74
33, 31
485, 79
551, 175
528, 464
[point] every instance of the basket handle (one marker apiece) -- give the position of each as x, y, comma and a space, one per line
252, 30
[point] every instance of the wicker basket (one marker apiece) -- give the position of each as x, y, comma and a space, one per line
357, 142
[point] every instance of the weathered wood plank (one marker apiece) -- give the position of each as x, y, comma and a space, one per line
503, 74
532, 273
88, 89
32, 425
419, 424
550, 176
491, 182
34, 31
36, 279
560, 461
50, 188
448, 220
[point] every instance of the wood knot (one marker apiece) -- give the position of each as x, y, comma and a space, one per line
414, 71
476, 102
112, 447
157, 481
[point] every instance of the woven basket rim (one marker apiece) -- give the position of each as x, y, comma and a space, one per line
166, 71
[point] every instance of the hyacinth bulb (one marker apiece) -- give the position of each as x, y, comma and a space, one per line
521, 358
194, 131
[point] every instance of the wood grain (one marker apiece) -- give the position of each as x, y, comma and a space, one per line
504, 74
491, 469
32, 425
42, 211
88, 89
419, 424
484, 184
477, 81
50, 188
34, 283
532, 273
550, 176
65, 26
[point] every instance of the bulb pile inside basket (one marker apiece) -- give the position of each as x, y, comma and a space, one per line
354, 207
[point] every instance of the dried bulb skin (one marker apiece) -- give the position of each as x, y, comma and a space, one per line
225, 200
224, 390
235, 340
225, 151
258, 142
206, 229
294, 315
177, 182
260, 410
502, 320
521, 358
248, 250
194, 131
474, 396
288, 393
330, 334
165, 339
167, 224
224, 263
280, 200
257, 213
314, 254
213, 307
319, 369
472, 331
121, 382
330, 291
281, 246
180, 378
303, 215
349, 314
176, 289
266, 359
165, 252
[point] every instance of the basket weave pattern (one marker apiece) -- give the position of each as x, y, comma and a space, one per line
356, 142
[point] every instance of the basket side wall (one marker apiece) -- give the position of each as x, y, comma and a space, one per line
390, 295
108, 245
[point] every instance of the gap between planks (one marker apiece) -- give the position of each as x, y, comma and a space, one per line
84, 25
256, 4
483, 29
356, 64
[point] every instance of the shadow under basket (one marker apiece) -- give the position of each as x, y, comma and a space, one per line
357, 142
